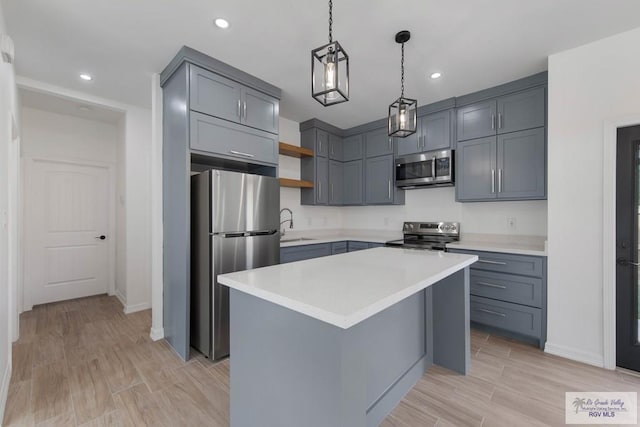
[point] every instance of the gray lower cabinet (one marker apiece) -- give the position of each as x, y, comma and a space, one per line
336, 172
352, 183
509, 293
357, 246
338, 247
509, 113
211, 135
507, 167
299, 253
224, 98
433, 133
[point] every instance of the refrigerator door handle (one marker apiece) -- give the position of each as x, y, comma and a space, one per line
233, 234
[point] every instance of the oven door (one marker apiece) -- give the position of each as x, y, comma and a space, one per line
433, 168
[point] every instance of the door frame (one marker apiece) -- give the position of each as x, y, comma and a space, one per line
610, 141
29, 164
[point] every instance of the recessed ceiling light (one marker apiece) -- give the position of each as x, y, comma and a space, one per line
435, 75
86, 77
222, 23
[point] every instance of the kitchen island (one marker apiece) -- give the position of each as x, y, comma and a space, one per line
337, 341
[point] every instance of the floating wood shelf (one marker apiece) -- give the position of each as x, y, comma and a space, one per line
295, 183
294, 151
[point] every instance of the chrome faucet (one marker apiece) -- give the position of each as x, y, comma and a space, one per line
290, 220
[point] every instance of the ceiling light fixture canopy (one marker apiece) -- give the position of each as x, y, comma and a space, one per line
403, 112
330, 70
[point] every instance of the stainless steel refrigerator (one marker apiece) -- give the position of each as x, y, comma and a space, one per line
234, 227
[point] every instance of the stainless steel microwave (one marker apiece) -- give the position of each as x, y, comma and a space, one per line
434, 168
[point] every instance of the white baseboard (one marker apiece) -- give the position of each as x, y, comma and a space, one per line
4, 389
157, 334
128, 309
121, 298
574, 354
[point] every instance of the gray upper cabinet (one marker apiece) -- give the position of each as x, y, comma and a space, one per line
335, 183
521, 164
477, 120
224, 98
476, 169
214, 95
322, 143
352, 148
211, 135
335, 147
352, 175
322, 181
378, 143
521, 110
433, 133
260, 111
379, 186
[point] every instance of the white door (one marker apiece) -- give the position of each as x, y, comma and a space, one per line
67, 223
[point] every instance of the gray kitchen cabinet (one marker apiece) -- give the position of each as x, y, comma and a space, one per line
335, 147
335, 183
379, 186
302, 252
433, 133
321, 146
477, 120
510, 113
509, 294
378, 143
322, 181
218, 96
375, 245
357, 246
476, 169
338, 247
211, 135
521, 164
352, 148
352, 175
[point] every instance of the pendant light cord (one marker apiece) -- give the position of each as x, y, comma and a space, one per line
402, 73
330, 21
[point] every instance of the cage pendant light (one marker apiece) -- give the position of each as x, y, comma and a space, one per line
403, 111
330, 70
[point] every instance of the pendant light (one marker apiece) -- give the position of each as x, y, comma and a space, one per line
330, 70
403, 111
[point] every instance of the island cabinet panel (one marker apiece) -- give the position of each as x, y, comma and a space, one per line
230, 140
224, 98
509, 294
299, 253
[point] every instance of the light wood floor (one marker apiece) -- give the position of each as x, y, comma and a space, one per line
85, 363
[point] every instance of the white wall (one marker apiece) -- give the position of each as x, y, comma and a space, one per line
9, 113
121, 215
587, 86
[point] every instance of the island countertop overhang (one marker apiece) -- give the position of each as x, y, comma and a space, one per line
344, 290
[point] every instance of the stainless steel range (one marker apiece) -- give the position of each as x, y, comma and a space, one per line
427, 235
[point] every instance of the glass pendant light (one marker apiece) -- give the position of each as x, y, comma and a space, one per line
403, 111
330, 70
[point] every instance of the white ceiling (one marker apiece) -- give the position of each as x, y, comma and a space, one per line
474, 43
59, 105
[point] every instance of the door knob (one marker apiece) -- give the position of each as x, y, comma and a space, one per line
103, 237
623, 261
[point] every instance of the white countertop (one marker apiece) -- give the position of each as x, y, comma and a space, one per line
346, 289
521, 245
329, 238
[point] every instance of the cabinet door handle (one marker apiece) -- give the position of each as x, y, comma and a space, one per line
491, 285
499, 180
499, 120
240, 153
433, 167
319, 191
390, 144
493, 181
493, 122
332, 196
486, 261
495, 313
320, 146
389, 193
419, 143
244, 109
238, 110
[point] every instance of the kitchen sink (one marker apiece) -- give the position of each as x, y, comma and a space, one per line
295, 239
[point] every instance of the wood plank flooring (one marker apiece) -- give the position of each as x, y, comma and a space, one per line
84, 363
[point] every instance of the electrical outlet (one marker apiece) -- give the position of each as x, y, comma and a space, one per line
511, 224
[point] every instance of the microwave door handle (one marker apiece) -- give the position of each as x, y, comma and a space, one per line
433, 167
